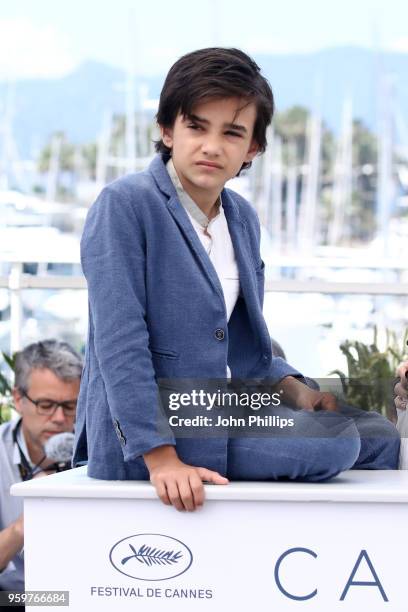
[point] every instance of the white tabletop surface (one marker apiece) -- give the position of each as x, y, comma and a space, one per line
387, 486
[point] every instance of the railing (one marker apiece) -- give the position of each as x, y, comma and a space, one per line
17, 281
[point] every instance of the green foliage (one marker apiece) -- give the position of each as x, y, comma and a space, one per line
361, 221
364, 145
66, 153
89, 153
6, 401
292, 127
371, 372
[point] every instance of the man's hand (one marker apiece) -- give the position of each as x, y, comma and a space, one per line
301, 396
11, 541
401, 388
18, 527
177, 483
42, 474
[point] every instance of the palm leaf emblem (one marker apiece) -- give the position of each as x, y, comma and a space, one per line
153, 556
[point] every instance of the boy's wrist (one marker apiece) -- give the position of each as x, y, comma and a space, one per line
161, 455
292, 389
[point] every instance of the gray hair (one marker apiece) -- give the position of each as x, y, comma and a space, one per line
59, 357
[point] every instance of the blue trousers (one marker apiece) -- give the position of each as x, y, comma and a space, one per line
317, 448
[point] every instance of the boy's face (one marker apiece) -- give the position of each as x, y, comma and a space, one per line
210, 147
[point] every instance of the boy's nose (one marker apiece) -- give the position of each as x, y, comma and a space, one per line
211, 145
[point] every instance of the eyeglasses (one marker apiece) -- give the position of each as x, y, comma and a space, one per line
47, 407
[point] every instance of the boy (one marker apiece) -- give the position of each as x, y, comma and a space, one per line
175, 285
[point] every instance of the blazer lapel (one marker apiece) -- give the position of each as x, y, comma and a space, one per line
158, 170
242, 248
184, 223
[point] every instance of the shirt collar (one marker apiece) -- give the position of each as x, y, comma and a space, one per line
187, 201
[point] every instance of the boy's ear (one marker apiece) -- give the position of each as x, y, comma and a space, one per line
252, 151
167, 136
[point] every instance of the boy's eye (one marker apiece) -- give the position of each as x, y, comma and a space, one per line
232, 133
194, 126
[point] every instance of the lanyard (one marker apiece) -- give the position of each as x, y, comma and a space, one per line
26, 471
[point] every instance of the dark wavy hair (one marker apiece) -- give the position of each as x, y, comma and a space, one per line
208, 74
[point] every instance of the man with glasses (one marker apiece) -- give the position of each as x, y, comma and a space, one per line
47, 378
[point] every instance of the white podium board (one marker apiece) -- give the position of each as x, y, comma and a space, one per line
340, 545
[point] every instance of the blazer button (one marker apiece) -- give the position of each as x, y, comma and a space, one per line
219, 334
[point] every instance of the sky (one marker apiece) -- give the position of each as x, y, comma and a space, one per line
50, 38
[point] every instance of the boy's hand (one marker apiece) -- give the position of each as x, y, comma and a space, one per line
177, 483
401, 388
301, 396
318, 400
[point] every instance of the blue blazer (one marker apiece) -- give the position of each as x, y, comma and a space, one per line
157, 310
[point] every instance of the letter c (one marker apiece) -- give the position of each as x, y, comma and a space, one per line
277, 579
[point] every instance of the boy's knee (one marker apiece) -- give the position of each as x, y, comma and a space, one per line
380, 444
335, 455
380, 453
374, 425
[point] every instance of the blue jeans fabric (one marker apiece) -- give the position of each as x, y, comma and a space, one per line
380, 440
317, 448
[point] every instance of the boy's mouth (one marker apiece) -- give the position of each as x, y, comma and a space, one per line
209, 164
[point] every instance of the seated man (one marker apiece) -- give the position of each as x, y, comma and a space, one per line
47, 377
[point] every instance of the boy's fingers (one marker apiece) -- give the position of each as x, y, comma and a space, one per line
197, 490
185, 490
174, 496
186, 494
327, 402
211, 476
162, 493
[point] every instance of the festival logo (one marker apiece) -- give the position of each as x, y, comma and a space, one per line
150, 556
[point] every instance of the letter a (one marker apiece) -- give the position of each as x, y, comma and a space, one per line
376, 581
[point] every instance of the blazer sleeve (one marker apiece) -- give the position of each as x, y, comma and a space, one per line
114, 263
